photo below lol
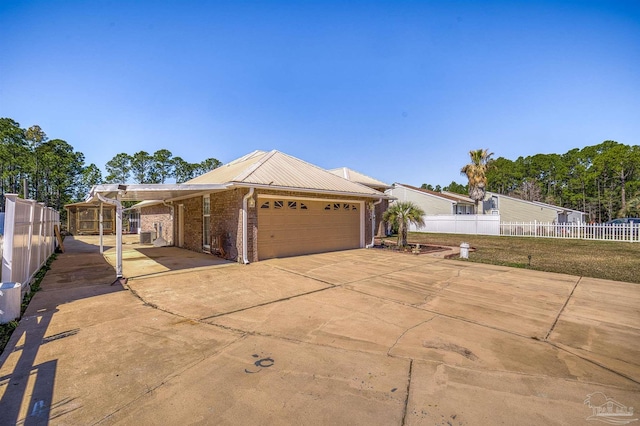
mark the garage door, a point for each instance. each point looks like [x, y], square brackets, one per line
[292, 227]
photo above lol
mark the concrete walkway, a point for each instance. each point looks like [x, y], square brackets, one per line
[354, 337]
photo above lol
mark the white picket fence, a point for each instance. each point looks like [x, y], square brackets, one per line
[491, 225]
[584, 231]
[28, 239]
[460, 224]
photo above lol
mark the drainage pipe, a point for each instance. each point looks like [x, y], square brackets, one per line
[373, 223]
[245, 239]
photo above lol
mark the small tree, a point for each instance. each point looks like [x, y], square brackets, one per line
[476, 173]
[403, 213]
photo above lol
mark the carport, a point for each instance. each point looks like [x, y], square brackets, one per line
[115, 194]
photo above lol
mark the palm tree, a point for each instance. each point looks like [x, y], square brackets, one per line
[476, 173]
[403, 213]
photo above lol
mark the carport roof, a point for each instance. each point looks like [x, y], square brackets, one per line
[141, 192]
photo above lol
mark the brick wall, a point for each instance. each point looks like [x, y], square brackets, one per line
[226, 221]
[192, 223]
[149, 216]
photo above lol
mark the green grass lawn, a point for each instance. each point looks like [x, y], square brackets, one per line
[598, 259]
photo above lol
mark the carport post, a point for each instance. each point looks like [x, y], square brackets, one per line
[119, 278]
[101, 231]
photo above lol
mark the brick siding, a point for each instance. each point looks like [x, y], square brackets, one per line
[226, 220]
[158, 214]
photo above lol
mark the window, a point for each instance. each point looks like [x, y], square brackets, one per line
[327, 207]
[292, 205]
[303, 206]
[278, 204]
[353, 207]
[346, 206]
[206, 222]
[265, 205]
[336, 206]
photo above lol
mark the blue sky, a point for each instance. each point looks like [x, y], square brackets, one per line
[399, 90]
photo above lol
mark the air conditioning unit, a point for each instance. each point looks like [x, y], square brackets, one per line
[145, 237]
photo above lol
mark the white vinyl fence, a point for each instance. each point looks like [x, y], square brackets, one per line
[28, 241]
[585, 231]
[460, 224]
[491, 225]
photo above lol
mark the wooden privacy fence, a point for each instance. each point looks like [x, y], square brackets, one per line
[29, 239]
[585, 231]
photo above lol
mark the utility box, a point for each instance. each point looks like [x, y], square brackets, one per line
[464, 251]
[145, 237]
[10, 301]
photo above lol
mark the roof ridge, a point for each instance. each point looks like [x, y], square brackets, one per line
[255, 166]
[346, 173]
[325, 171]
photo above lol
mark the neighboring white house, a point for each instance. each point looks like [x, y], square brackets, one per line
[513, 209]
[433, 203]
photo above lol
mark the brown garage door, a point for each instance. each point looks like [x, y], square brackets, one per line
[294, 227]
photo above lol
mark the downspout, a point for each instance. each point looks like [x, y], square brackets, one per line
[119, 277]
[373, 223]
[245, 239]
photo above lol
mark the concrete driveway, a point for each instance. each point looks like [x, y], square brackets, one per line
[354, 337]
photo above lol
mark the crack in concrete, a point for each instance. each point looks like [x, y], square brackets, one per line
[406, 331]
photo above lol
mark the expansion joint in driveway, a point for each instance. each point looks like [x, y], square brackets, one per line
[303, 275]
[266, 303]
[553, 326]
[406, 400]
[594, 362]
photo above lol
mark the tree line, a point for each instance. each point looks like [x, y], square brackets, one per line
[56, 174]
[601, 180]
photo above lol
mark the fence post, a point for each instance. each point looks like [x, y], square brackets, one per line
[10, 224]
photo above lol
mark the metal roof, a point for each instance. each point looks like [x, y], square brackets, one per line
[140, 192]
[280, 171]
[259, 169]
[537, 203]
[358, 177]
[454, 198]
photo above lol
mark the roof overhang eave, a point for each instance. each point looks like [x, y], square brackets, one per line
[143, 192]
[377, 196]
